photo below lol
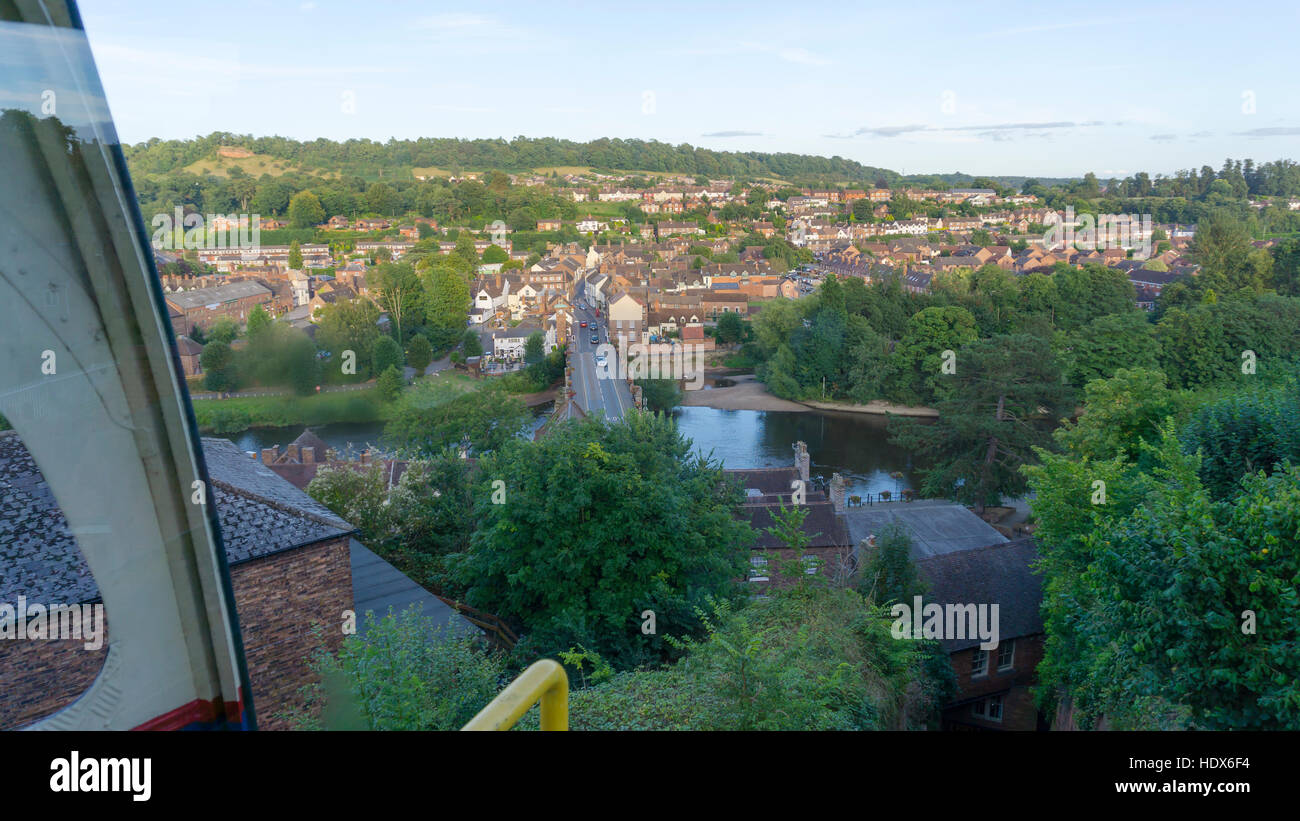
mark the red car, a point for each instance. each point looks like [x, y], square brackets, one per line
[582, 325]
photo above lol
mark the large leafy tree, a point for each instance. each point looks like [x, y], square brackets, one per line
[419, 354]
[1106, 344]
[1180, 611]
[916, 375]
[600, 523]
[400, 294]
[349, 325]
[1243, 434]
[488, 418]
[305, 210]
[218, 363]
[447, 302]
[1005, 393]
[385, 354]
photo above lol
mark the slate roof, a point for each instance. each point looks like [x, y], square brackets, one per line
[768, 480]
[821, 523]
[998, 574]
[200, 297]
[260, 514]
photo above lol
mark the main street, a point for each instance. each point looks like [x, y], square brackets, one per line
[595, 395]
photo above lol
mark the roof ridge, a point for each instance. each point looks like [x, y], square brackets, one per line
[283, 507]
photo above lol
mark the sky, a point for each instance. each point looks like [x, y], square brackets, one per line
[1034, 89]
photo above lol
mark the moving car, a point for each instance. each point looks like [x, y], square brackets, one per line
[594, 339]
[582, 324]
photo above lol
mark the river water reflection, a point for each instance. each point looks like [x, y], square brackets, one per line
[853, 444]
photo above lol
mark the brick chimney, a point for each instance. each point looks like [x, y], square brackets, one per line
[308, 455]
[365, 456]
[269, 454]
[837, 492]
[291, 453]
[801, 460]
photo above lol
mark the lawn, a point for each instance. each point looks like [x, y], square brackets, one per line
[234, 415]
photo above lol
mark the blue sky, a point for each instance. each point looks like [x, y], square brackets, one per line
[1007, 88]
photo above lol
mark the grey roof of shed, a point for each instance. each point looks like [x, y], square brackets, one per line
[217, 293]
[260, 514]
[936, 527]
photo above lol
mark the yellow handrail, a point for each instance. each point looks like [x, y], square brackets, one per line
[543, 681]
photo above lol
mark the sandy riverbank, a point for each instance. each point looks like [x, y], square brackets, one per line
[749, 394]
[746, 394]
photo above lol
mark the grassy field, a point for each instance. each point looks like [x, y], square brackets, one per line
[254, 166]
[234, 415]
[430, 171]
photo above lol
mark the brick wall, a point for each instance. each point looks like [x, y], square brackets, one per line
[38, 677]
[1018, 710]
[278, 597]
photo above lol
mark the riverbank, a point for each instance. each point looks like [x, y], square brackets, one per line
[747, 393]
[240, 413]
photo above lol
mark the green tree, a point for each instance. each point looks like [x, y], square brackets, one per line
[403, 672]
[644, 524]
[1158, 634]
[349, 325]
[223, 330]
[258, 321]
[400, 294]
[488, 418]
[888, 574]
[218, 367]
[1106, 344]
[381, 199]
[660, 395]
[419, 354]
[295, 256]
[917, 375]
[470, 343]
[534, 348]
[730, 328]
[389, 383]
[305, 210]
[447, 302]
[385, 354]
[1005, 389]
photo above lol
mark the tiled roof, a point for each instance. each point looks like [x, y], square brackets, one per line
[824, 528]
[259, 512]
[999, 574]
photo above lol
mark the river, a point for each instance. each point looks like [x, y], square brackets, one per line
[853, 444]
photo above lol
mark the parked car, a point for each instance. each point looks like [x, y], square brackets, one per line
[582, 324]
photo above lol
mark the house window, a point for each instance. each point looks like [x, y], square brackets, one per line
[989, 708]
[757, 569]
[979, 663]
[1006, 656]
[811, 564]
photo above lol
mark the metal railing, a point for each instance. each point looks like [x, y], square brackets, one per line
[544, 682]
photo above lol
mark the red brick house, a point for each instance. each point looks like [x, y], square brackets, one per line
[993, 685]
[290, 569]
